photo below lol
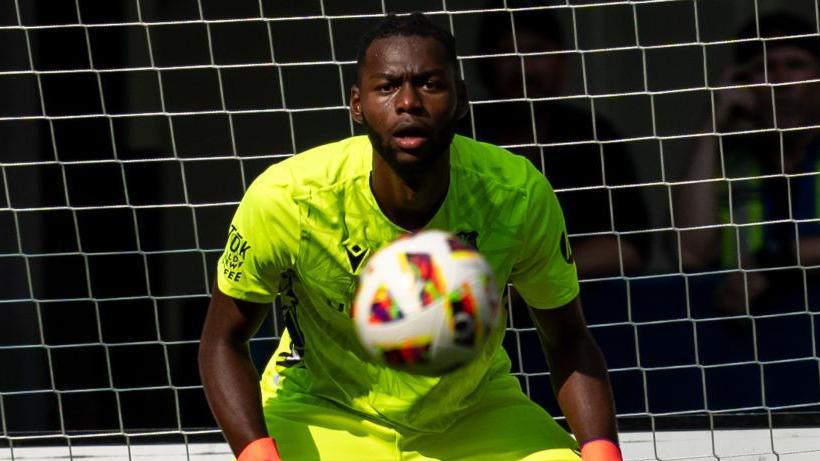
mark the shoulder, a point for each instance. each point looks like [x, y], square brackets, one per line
[494, 165]
[319, 167]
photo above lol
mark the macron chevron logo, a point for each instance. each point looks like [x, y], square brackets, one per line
[355, 254]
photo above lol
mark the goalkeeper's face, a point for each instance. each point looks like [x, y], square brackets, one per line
[409, 99]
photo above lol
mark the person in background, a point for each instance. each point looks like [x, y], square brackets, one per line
[770, 156]
[554, 121]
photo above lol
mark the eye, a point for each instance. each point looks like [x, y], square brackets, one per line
[432, 85]
[385, 88]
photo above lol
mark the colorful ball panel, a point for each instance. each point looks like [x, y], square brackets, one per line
[426, 304]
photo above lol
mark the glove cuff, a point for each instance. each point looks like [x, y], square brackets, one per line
[262, 449]
[600, 450]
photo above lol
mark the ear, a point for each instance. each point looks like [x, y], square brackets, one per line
[355, 104]
[462, 101]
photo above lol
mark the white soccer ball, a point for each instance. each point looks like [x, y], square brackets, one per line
[426, 304]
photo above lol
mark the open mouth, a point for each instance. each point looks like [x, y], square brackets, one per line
[410, 138]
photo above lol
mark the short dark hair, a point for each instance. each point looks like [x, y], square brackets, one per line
[414, 25]
[777, 24]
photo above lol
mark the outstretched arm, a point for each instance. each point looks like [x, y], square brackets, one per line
[228, 376]
[578, 372]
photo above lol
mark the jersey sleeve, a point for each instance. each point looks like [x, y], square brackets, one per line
[544, 273]
[262, 240]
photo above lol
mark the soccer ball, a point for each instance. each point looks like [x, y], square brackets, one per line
[426, 304]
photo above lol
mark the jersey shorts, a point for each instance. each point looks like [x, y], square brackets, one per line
[504, 425]
[304, 230]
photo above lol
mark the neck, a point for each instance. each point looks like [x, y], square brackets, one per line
[410, 200]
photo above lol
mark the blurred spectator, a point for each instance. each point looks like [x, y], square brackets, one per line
[784, 97]
[576, 162]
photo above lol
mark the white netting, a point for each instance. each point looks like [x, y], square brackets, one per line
[129, 130]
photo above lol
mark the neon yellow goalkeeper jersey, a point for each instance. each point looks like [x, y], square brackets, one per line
[307, 225]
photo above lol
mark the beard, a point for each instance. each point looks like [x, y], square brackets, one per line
[414, 163]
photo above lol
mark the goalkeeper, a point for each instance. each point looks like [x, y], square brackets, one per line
[302, 233]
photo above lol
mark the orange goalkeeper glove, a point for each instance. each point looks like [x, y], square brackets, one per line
[600, 450]
[263, 449]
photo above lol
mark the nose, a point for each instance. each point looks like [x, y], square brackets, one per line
[408, 99]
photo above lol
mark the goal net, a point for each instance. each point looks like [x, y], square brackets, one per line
[682, 138]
